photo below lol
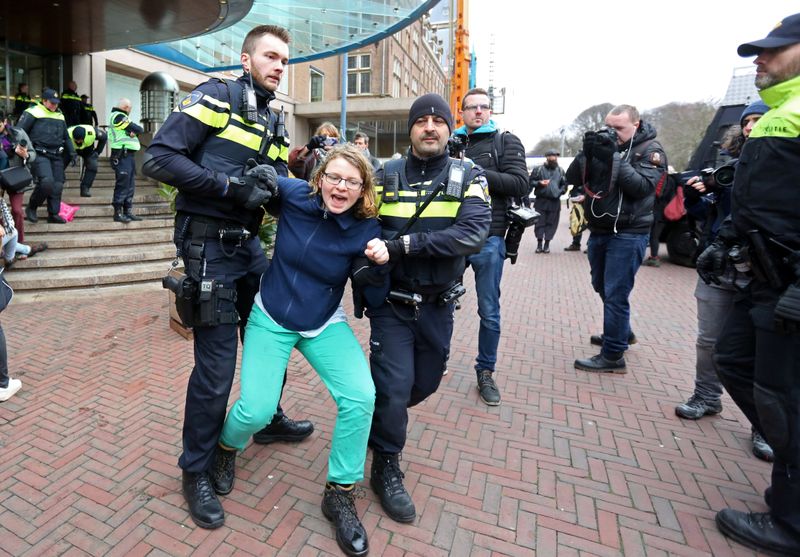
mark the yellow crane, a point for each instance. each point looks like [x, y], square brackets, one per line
[459, 83]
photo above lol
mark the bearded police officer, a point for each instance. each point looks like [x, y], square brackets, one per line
[46, 127]
[411, 330]
[89, 142]
[207, 149]
[757, 351]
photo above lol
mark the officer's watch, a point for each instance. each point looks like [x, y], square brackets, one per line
[406, 244]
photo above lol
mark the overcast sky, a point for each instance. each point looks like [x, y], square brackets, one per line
[557, 58]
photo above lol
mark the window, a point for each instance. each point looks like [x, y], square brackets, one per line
[317, 80]
[359, 74]
[414, 87]
[397, 71]
[415, 46]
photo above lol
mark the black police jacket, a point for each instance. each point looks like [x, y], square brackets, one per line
[205, 141]
[47, 130]
[620, 198]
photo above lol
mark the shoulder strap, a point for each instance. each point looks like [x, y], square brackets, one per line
[499, 146]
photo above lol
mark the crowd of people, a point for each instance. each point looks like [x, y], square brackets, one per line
[404, 233]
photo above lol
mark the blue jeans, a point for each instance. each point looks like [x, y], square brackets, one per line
[488, 266]
[614, 260]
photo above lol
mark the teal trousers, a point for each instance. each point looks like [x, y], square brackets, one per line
[337, 357]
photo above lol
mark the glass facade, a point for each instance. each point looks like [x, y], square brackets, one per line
[38, 72]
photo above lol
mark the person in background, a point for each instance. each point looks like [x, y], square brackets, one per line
[548, 183]
[71, 104]
[22, 101]
[361, 140]
[88, 114]
[89, 142]
[304, 159]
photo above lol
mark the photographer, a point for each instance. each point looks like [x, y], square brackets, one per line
[204, 150]
[715, 300]
[411, 331]
[304, 159]
[502, 157]
[617, 171]
[756, 354]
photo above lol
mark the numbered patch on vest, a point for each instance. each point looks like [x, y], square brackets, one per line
[190, 100]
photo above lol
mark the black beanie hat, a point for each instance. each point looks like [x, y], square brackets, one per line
[430, 104]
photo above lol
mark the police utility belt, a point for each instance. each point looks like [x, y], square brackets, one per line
[767, 260]
[50, 152]
[197, 299]
[121, 153]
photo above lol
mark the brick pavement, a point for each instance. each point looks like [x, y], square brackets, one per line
[570, 463]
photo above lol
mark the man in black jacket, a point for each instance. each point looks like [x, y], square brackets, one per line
[617, 170]
[507, 177]
[548, 183]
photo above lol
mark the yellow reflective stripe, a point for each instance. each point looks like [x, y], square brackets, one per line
[207, 116]
[437, 208]
[256, 125]
[240, 136]
[39, 111]
[278, 153]
[475, 189]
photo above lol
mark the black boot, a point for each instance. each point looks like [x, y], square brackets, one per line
[539, 246]
[546, 248]
[284, 429]
[30, 214]
[85, 192]
[339, 506]
[224, 470]
[758, 531]
[612, 364]
[119, 216]
[387, 483]
[129, 213]
[204, 507]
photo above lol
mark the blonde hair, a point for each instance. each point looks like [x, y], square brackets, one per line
[328, 129]
[366, 206]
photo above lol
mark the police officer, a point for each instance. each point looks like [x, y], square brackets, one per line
[410, 340]
[757, 350]
[203, 150]
[71, 104]
[124, 143]
[89, 142]
[46, 127]
[88, 114]
[22, 101]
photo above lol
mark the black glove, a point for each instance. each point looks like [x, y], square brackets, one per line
[589, 140]
[787, 311]
[265, 174]
[395, 248]
[247, 191]
[74, 160]
[711, 263]
[316, 142]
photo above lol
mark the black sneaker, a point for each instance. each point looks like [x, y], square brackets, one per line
[339, 506]
[387, 483]
[696, 407]
[573, 247]
[204, 507]
[131, 216]
[761, 448]
[487, 388]
[284, 429]
[224, 470]
[597, 340]
[758, 531]
[30, 215]
[600, 363]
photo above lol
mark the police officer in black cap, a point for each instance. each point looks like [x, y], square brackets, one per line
[223, 149]
[411, 330]
[46, 127]
[758, 351]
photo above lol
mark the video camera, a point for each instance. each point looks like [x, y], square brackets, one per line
[521, 218]
[456, 145]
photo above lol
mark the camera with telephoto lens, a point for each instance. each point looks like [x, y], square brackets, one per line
[606, 136]
[521, 218]
[720, 177]
[456, 145]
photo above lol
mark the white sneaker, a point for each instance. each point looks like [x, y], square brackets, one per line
[13, 386]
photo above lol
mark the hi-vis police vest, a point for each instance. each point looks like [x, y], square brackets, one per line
[118, 137]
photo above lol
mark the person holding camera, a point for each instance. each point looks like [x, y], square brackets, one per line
[617, 172]
[324, 226]
[434, 212]
[756, 354]
[502, 157]
[46, 127]
[548, 183]
[714, 301]
[214, 149]
[304, 159]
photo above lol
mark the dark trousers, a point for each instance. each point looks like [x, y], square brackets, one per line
[89, 171]
[4, 378]
[125, 171]
[49, 173]
[215, 351]
[760, 369]
[550, 211]
[655, 232]
[407, 359]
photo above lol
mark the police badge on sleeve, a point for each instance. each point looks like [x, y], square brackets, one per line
[190, 100]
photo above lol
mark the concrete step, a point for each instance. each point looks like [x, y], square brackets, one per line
[106, 210]
[57, 279]
[83, 292]
[106, 195]
[94, 256]
[94, 224]
[106, 238]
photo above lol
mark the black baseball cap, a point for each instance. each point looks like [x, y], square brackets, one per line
[50, 95]
[786, 32]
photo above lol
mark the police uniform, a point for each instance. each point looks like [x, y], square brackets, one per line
[71, 107]
[206, 140]
[94, 141]
[22, 101]
[48, 133]
[123, 152]
[88, 114]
